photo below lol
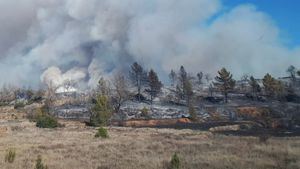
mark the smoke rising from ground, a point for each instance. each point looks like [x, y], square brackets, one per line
[42, 40]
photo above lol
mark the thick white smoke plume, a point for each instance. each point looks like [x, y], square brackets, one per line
[54, 76]
[83, 39]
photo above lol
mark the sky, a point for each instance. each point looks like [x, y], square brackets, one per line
[285, 13]
[53, 41]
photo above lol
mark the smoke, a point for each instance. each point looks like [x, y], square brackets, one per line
[54, 77]
[81, 40]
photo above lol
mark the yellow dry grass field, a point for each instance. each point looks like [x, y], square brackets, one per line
[75, 147]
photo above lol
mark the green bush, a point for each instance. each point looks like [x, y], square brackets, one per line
[4, 104]
[102, 132]
[145, 113]
[19, 105]
[44, 120]
[39, 164]
[175, 162]
[193, 114]
[10, 155]
[101, 112]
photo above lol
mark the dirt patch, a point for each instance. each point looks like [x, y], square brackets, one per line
[225, 128]
[9, 113]
[3, 130]
[152, 123]
[251, 112]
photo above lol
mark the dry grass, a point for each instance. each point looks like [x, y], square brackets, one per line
[75, 147]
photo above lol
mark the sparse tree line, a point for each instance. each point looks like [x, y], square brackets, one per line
[185, 84]
[120, 87]
[112, 94]
[141, 85]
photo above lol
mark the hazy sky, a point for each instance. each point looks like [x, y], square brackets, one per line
[285, 14]
[81, 40]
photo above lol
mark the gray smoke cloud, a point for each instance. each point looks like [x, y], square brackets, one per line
[82, 40]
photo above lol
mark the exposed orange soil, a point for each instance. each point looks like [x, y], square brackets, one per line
[152, 123]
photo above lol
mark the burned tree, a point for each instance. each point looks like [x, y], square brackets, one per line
[7, 94]
[68, 85]
[188, 91]
[292, 72]
[184, 88]
[199, 78]
[182, 79]
[138, 77]
[154, 85]
[173, 77]
[224, 82]
[255, 88]
[269, 85]
[211, 90]
[244, 81]
[121, 92]
[273, 87]
[207, 77]
[50, 93]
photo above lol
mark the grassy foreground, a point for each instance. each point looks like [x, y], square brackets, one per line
[75, 147]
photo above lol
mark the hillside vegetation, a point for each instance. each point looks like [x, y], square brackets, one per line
[75, 146]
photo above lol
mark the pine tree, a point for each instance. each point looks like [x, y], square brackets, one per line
[199, 78]
[184, 88]
[172, 77]
[101, 111]
[154, 84]
[292, 71]
[224, 82]
[254, 86]
[182, 76]
[269, 85]
[188, 91]
[103, 88]
[138, 77]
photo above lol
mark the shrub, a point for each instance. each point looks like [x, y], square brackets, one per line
[37, 96]
[3, 103]
[192, 112]
[101, 111]
[10, 155]
[19, 105]
[44, 120]
[263, 138]
[39, 164]
[145, 112]
[175, 162]
[102, 132]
